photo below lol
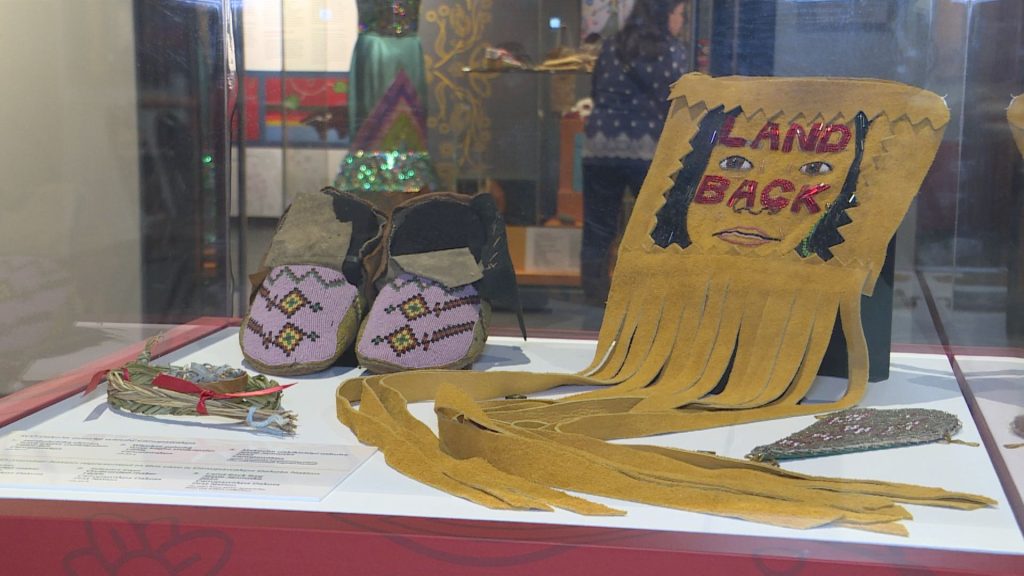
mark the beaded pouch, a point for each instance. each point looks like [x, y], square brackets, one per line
[765, 215]
[859, 430]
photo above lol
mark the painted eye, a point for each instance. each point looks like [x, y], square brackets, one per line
[735, 163]
[816, 168]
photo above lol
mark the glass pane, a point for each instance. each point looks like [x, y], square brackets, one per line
[513, 135]
[115, 185]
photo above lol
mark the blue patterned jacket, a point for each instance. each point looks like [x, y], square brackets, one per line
[630, 104]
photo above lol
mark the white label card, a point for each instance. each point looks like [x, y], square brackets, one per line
[176, 466]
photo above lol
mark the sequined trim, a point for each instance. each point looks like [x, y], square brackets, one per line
[389, 17]
[386, 172]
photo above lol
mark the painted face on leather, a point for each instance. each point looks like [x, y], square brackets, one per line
[768, 184]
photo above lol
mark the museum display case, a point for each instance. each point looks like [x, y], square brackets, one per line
[212, 364]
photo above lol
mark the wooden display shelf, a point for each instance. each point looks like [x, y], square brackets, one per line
[543, 278]
[471, 70]
[556, 246]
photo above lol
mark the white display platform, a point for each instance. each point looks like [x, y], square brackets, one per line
[998, 387]
[917, 380]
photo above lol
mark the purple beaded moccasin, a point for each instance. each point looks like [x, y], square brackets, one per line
[309, 295]
[447, 263]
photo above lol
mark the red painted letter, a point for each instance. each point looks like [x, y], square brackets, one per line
[807, 143]
[806, 198]
[716, 185]
[770, 132]
[844, 138]
[724, 135]
[748, 189]
[776, 203]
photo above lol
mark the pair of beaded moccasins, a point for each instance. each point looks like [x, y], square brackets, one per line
[431, 271]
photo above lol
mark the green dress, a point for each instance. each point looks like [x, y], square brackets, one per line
[387, 103]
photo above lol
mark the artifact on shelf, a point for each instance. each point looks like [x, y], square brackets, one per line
[765, 215]
[143, 388]
[327, 119]
[583, 107]
[496, 58]
[860, 430]
[569, 61]
[1017, 427]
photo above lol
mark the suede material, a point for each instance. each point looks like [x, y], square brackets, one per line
[367, 232]
[436, 222]
[410, 447]
[498, 285]
[1015, 116]
[359, 262]
[720, 311]
[453, 268]
[311, 234]
[471, 221]
[468, 425]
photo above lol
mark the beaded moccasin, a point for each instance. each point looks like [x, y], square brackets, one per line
[310, 295]
[447, 263]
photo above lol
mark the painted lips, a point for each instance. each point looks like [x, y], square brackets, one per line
[745, 236]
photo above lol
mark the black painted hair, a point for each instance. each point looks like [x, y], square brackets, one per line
[671, 218]
[645, 34]
[671, 226]
[826, 231]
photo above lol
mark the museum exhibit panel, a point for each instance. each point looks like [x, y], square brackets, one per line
[512, 287]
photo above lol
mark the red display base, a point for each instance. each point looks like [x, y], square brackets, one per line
[92, 538]
[82, 538]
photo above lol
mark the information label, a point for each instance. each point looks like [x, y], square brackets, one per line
[185, 466]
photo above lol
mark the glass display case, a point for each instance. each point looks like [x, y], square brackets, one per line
[175, 173]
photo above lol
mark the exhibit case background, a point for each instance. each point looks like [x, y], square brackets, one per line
[148, 147]
[497, 132]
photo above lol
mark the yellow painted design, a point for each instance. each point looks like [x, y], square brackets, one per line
[459, 125]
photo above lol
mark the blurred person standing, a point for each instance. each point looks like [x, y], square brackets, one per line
[630, 90]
